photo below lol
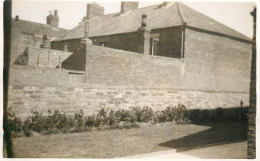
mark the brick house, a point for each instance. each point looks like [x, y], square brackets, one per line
[168, 25]
[26, 33]
[212, 55]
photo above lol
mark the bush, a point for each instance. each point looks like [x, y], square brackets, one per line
[219, 114]
[146, 114]
[126, 115]
[14, 123]
[58, 122]
[171, 114]
[27, 127]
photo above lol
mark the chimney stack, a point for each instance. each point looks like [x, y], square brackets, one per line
[45, 42]
[53, 20]
[144, 32]
[144, 20]
[165, 3]
[127, 6]
[55, 13]
[16, 18]
[94, 10]
[86, 28]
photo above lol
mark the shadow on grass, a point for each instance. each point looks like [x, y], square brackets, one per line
[218, 133]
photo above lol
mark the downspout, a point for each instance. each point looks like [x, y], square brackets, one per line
[86, 37]
[184, 24]
[183, 40]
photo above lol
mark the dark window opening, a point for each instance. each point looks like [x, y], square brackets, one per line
[154, 46]
[103, 44]
[66, 48]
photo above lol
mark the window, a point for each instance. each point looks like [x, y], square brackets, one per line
[66, 48]
[102, 44]
[154, 45]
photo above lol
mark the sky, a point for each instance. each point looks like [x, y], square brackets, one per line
[233, 14]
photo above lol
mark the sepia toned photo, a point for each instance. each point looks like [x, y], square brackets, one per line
[129, 80]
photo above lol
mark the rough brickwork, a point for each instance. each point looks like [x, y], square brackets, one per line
[21, 75]
[127, 41]
[170, 41]
[92, 98]
[42, 57]
[119, 68]
[215, 62]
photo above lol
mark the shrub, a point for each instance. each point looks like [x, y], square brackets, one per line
[14, 123]
[78, 119]
[27, 127]
[172, 114]
[90, 121]
[126, 115]
[58, 122]
[220, 112]
[145, 114]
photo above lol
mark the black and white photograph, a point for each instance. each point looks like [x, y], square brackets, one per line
[129, 79]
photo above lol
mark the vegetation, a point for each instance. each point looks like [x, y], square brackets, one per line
[60, 122]
[126, 142]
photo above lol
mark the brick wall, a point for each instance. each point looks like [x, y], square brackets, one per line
[212, 66]
[46, 57]
[21, 75]
[170, 42]
[109, 66]
[113, 67]
[127, 41]
[92, 98]
[214, 62]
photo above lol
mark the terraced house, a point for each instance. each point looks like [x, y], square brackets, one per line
[159, 55]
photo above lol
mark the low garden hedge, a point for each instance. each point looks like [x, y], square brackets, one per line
[60, 122]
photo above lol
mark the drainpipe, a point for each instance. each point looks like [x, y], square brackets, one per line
[183, 39]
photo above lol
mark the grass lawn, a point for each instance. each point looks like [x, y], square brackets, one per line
[118, 143]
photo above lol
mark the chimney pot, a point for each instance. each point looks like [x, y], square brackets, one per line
[94, 10]
[144, 20]
[127, 6]
[16, 18]
[86, 28]
[53, 20]
[55, 13]
[165, 3]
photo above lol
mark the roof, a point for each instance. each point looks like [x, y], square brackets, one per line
[35, 28]
[158, 16]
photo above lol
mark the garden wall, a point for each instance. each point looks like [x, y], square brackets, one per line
[120, 68]
[21, 75]
[92, 98]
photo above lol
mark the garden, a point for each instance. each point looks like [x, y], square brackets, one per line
[136, 130]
